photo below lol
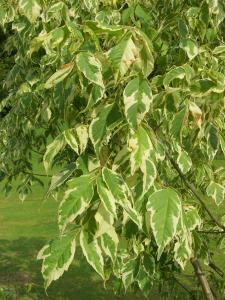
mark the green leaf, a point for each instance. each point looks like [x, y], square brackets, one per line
[97, 129]
[123, 55]
[222, 144]
[183, 29]
[137, 100]
[83, 136]
[202, 87]
[184, 161]
[145, 58]
[91, 67]
[71, 140]
[106, 197]
[52, 150]
[183, 251]
[31, 9]
[76, 200]
[140, 147]
[92, 252]
[97, 93]
[142, 14]
[109, 238]
[121, 158]
[57, 256]
[129, 269]
[219, 50]
[121, 193]
[77, 138]
[165, 208]
[216, 191]
[177, 72]
[190, 47]
[61, 177]
[177, 123]
[59, 76]
[149, 171]
[192, 218]
[145, 282]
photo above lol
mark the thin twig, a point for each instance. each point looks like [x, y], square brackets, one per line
[202, 279]
[36, 174]
[216, 269]
[211, 232]
[185, 288]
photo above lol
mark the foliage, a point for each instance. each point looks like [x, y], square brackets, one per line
[127, 98]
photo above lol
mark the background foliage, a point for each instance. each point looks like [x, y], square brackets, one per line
[127, 99]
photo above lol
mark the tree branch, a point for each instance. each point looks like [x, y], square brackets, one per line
[36, 174]
[202, 279]
[185, 288]
[211, 232]
[216, 269]
[194, 191]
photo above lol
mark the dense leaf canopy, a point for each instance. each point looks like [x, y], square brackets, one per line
[124, 103]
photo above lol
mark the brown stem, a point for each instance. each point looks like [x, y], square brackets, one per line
[202, 279]
[194, 191]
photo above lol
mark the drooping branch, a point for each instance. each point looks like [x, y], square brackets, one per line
[202, 279]
[185, 288]
[199, 196]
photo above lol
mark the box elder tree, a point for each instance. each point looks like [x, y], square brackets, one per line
[123, 101]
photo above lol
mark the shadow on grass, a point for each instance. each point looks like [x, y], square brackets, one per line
[20, 276]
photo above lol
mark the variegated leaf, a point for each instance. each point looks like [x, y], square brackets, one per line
[137, 100]
[149, 171]
[140, 146]
[31, 9]
[216, 191]
[106, 231]
[178, 123]
[92, 252]
[59, 75]
[183, 251]
[121, 193]
[57, 256]
[83, 136]
[61, 177]
[140, 157]
[184, 161]
[177, 72]
[106, 197]
[76, 200]
[123, 55]
[190, 47]
[97, 129]
[52, 150]
[91, 67]
[192, 218]
[71, 140]
[165, 208]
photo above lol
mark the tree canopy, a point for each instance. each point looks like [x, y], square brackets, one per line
[123, 101]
